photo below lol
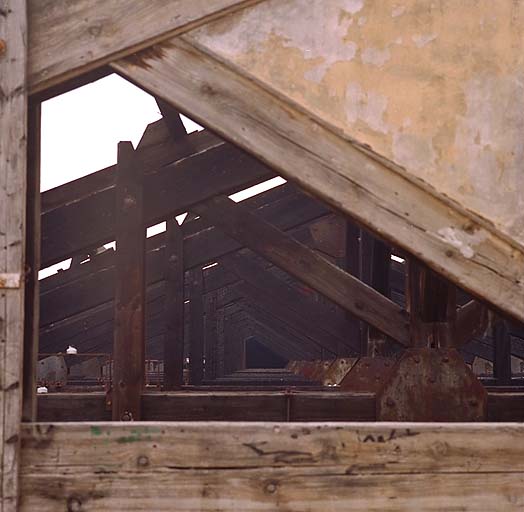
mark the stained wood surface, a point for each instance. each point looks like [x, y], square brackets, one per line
[196, 329]
[129, 327]
[349, 177]
[67, 39]
[214, 167]
[264, 466]
[310, 268]
[13, 170]
[174, 307]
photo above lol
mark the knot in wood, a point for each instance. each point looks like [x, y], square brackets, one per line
[129, 202]
[142, 461]
[74, 505]
[271, 487]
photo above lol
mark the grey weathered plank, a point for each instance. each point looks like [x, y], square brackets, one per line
[13, 170]
[269, 466]
[449, 238]
[67, 39]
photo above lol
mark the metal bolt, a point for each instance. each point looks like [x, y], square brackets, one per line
[127, 416]
[143, 461]
[3, 47]
[271, 488]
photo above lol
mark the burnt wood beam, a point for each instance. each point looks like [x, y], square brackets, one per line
[281, 297]
[472, 321]
[431, 301]
[196, 329]
[129, 328]
[296, 321]
[201, 245]
[285, 334]
[174, 308]
[215, 167]
[210, 335]
[353, 265]
[502, 353]
[307, 266]
[172, 120]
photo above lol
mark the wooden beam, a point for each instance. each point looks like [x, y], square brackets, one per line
[501, 353]
[32, 262]
[353, 265]
[307, 149]
[88, 223]
[319, 321]
[252, 467]
[174, 308]
[68, 293]
[129, 329]
[13, 174]
[307, 266]
[210, 335]
[172, 120]
[69, 39]
[196, 329]
[472, 321]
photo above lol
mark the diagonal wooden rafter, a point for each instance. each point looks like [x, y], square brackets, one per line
[451, 240]
[67, 39]
[303, 263]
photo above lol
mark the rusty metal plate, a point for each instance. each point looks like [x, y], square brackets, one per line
[431, 385]
[338, 370]
[51, 372]
[368, 374]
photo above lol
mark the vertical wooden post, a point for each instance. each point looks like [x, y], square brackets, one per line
[380, 269]
[196, 323]
[502, 353]
[210, 339]
[431, 301]
[129, 332]
[353, 265]
[174, 308]
[13, 169]
[32, 258]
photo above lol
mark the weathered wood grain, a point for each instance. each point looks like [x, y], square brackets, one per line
[13, 175]
[174, 307]
[307, 266]
[269, 466]
[305, 148]
[129, 306]
[67, 39]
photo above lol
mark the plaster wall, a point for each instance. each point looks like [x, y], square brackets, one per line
[435, 86]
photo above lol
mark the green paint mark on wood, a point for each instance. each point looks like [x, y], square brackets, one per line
[96, 431]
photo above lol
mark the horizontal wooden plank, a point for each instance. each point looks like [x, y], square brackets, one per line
[67, 39]
[249, 405]
[324, 467]
[452, 240]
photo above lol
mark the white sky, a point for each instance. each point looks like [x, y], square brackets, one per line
[81, 129]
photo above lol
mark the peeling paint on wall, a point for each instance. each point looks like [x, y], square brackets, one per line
[437, 87]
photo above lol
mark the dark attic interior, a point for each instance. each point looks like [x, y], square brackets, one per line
[273, 308]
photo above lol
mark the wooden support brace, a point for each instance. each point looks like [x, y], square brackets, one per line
[174, 308]
[307, 266]
[129, 329]
[196, 322]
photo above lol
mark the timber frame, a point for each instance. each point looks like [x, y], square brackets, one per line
[47, 48]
